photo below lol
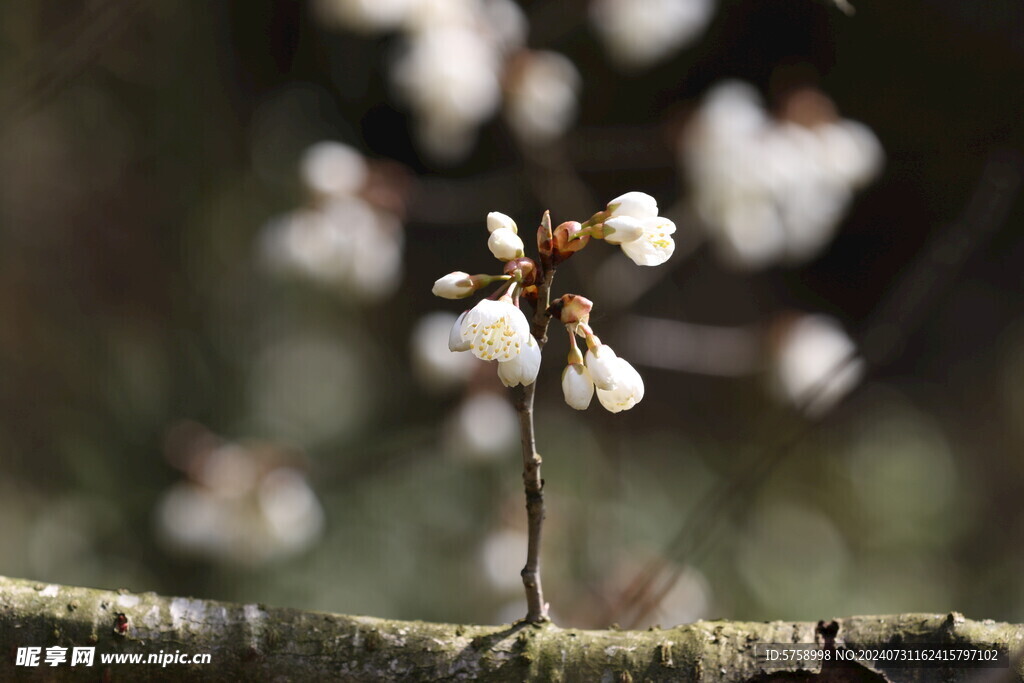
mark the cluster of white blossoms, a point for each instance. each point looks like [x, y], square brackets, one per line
[458, 61]
[640, 33]
[773, 190]
[496, 329]
[339, 239]
[617, 383]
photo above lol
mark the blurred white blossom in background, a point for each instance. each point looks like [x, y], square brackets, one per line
[436, 367]
[542, 95]
[454, 61]
[484, 426]
[367, 16]
[332, 169]
[640, 33]
[340, 240]
[241, 505]
[689, 600]
[814, 363]
[449, 75]
[773, 190]
[501, 554]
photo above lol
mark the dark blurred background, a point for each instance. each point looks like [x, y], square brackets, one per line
[177, 415]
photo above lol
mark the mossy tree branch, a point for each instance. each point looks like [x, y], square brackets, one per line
[254, 642]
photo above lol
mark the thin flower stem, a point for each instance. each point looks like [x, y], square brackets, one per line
[537, 609]
[504, 290]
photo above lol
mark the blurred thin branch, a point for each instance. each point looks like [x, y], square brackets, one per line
[444, 202]
[556, 182]
[57, 63]
[686, 347]
[381, 452]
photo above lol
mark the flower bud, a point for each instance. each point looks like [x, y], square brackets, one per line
[627, 389]
[545, 239]
[457, 285]
[497, 220]
[505, 244]
[571, 309]
[577, 387]
[601, 364]
[526, 267]
[565, 246]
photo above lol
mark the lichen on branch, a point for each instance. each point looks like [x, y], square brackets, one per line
[255, 642]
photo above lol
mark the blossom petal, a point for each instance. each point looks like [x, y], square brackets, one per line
[457, 342]
[628, 389]
[522, 369]
[634, 204]
[655, 246]
[577, 386]
[600, 363]
[621, 229]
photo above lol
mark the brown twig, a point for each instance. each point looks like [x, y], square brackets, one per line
[537, 609]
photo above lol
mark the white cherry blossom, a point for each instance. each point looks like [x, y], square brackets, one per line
[655, 245]
[495, 330]
[645, 237]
